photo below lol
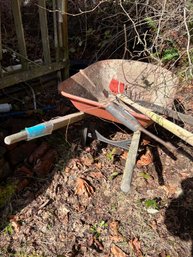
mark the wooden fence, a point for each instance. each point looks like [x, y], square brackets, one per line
[30, 69]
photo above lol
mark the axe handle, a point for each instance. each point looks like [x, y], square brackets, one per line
[170, 126]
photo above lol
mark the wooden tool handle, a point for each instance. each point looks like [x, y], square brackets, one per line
[170, 126]
[130, 162]
[57, 124]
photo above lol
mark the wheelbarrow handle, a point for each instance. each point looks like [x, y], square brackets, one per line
[130, 162]
[39, 130]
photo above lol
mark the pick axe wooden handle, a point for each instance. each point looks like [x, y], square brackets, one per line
[170, 126]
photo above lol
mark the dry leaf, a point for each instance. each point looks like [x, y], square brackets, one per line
[153, 225]
[117, 252]
[170, 189]
[40, 151]
[15, 224]
[94, 242]
[45, 164]
[145, 159]
[115, 235]
[67, 170]
[124, 155]
[87, 160]
[145, 142]
[184, 175]
[23, 171]
[114, 227]
[96, 174]
[98, 165]
[83, 187]
[117, 238]
[136, 247]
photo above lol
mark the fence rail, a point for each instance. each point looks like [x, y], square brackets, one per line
[28, 69]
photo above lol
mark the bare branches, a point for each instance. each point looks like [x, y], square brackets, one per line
[81, 12]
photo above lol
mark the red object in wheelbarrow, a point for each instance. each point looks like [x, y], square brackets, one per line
[140, 81]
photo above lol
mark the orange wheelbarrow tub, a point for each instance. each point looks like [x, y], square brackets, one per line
[142, 81]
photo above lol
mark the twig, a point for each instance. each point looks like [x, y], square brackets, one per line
[188, 44]
[159, 24]
[134, 25]
[125, 36]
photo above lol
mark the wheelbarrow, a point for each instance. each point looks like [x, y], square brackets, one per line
[105, 90]
[92, 89]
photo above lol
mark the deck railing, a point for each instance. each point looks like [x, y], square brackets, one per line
[28, 69]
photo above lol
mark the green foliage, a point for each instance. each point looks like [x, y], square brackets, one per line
[106, 37]
[97, 228]
[90, 32]
[151, 203]
[170, 54]
[145, 175]
[6, 192]
[114, 174]
[103, 224]
[110, 155]
[151, 23]
[8, 229]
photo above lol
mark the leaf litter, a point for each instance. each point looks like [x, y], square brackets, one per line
[73, 208]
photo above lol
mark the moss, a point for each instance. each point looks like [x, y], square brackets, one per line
[6, 192]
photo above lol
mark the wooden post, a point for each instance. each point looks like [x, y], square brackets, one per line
[56, 43]
[19, 31]
[65, 37]
[44, 30]
[60, 39]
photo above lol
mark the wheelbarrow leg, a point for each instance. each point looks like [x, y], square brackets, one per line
[130, 162]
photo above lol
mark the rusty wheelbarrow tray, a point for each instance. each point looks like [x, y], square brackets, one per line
[142, 81]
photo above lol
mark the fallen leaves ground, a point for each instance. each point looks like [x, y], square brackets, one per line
[77, 209]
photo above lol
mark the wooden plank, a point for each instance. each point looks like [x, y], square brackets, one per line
[44, 30]
[22, 76]
[19, 31]
[65, 37]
